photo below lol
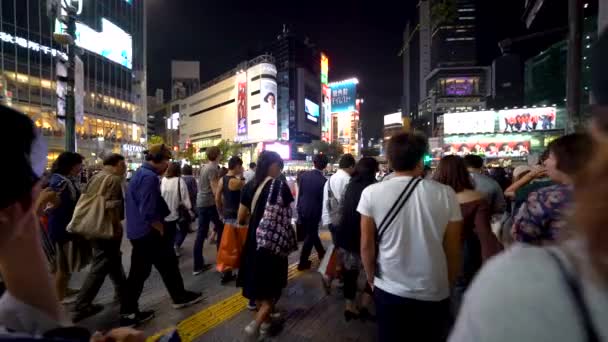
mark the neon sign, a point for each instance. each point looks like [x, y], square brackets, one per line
[324, 69]
[28, 44]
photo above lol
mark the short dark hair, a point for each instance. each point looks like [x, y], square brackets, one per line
[234, 162]
[187, 170]
[406, 150]
[320, 161]
[366, 168]
[453, 172]
[269, 95]
[473, 161]
[252, 165]
[213, 153]
[572, 152]
[347, 161]
[113, 159]
[174, 170]
[65, 162]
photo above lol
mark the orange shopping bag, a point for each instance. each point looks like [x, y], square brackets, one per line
[327, 268]
[231, 247]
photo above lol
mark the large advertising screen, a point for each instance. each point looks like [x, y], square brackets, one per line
[241, 104]
[393, 119]
[312, 111]
[343, 97]
[284, 150]
[112, 42]
[459, 86]
[490, 146]
[262, 116]
[527, 120]
[469, 122]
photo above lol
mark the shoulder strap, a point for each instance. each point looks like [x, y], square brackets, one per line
[102, 186]
[397, 206]
[574, 287]
[258, 192]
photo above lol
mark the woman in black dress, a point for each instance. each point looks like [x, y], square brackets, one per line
[262, 275]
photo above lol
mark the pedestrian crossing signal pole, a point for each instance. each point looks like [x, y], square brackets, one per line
[66, 13]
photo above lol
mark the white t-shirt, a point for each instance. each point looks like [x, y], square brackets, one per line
[168, 189]
[338, 183]
[249, 175]
[521, 296]
[411, 252]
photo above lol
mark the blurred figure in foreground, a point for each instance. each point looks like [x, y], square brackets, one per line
[559, 292]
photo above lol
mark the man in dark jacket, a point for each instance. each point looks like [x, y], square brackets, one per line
[146, 210]
[310, 207]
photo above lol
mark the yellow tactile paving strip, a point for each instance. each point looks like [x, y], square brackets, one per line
[201, 322]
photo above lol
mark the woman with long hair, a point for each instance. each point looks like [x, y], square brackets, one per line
[479, 242]
[557, 292]
[348, 237]
[263, 273]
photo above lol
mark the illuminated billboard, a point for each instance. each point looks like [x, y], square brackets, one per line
[112, 42]
[527, 120]
[344, 127]
[326, 111]
[469, 122]
[459, 86]
[490, 146]
[324, 69]
[262, 115]
[343, 96]
[393, 119]
[284, 150]
[312, 111]
[241, 104]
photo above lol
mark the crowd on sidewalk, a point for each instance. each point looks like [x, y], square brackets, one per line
[451, 254]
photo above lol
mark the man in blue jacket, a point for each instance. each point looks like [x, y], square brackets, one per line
[146, 210]
[310, 207]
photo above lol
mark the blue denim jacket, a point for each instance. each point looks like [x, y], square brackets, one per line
[144, 202]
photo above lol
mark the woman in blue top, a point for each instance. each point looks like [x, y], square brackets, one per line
[63, 181]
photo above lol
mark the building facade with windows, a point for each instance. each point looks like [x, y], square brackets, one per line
[239, 106]
[110, 34]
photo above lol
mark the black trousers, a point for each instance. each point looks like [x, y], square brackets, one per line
[312, 238]
[153, 250]
[400, 317]
[107, 261]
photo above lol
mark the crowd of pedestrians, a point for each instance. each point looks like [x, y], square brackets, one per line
[434, 264]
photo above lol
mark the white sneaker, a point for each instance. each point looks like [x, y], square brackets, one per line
[265, 329]
[252, 328]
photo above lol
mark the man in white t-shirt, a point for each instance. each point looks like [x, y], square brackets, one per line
[418, 250]
[337, 183]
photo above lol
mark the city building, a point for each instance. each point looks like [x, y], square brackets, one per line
[440, 63]
[345, 110]
[185, 79]
[299, 82]
[237, 106]
[111, 34]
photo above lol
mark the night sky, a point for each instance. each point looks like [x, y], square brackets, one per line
[361, 38]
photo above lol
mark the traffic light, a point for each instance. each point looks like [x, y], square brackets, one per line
[427, 159]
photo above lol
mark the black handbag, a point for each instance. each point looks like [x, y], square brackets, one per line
[183, 213]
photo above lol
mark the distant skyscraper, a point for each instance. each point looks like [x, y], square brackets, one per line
[185, 79]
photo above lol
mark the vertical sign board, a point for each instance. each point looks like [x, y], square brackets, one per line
[263, 106]
[326, 126]
[241, 104]
[79, 90]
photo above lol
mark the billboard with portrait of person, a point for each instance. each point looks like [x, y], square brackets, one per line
[241, 104]
[527, 119]
[263, 103]
[489, 146]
